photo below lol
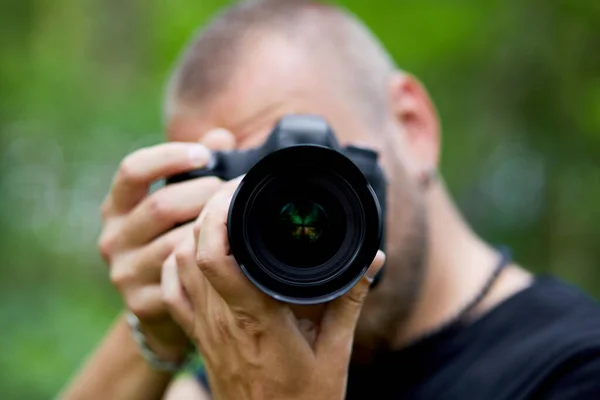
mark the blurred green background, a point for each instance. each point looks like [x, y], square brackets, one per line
[517, 84]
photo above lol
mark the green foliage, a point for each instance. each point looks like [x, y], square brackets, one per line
[517, 85]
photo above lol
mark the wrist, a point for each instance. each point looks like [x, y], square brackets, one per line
[165, 349]
[160, 354]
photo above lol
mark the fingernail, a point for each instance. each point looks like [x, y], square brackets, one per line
[371, 276]
[219, 139]
[199, 155]
[375, 266]
[217, 132]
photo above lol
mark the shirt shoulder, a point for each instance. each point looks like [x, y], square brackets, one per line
[556, 314]
[569, 343]
[542, 341]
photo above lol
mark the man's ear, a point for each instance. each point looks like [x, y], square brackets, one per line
[418, 118]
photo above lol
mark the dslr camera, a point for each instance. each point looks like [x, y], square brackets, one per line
[308, 217]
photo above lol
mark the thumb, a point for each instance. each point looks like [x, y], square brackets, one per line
[339, 321]
[219, 139]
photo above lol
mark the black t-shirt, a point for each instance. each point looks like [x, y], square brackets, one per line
[541, 343]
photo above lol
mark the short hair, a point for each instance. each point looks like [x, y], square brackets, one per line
[353, 53]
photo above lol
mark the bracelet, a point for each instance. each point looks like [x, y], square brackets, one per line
[150, 356]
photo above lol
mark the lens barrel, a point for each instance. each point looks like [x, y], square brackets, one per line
[304, 224]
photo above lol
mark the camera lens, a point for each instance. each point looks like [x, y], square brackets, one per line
[304, 224]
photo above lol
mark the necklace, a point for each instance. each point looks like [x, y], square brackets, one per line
[505, 260]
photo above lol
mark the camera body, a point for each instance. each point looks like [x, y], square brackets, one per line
[308, 217]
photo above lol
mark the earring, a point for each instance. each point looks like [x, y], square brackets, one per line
[427, 177]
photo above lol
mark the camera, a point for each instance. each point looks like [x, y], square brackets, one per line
[308, 217]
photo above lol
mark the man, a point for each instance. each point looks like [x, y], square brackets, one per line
[452, 318]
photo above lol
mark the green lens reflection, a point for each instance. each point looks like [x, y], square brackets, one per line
[304, 221]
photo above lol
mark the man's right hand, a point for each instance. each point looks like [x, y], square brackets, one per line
[139, 229]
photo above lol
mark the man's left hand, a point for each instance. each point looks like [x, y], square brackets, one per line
[252, 345]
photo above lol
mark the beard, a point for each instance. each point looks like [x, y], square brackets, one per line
[390, 304]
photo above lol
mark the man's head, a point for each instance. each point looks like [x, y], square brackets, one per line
[260, 60]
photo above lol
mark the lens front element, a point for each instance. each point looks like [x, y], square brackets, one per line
[300, 219]
[304, 224]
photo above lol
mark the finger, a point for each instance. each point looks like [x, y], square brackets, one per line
[175, 299]
[165, 208]
[213, 259]
[225, 192]
[142, 167]
[191, 277]
[148, 261]
[341, 315]
[219, 139]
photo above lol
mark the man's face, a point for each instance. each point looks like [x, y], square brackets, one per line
[275, 80]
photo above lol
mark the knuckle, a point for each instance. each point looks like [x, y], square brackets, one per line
[183, 257]
[221, 325]
[159, 208]
[205, 260]
[106, 246]
[121, 277]
[356, 297]
[127, 169]
[246, 321]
